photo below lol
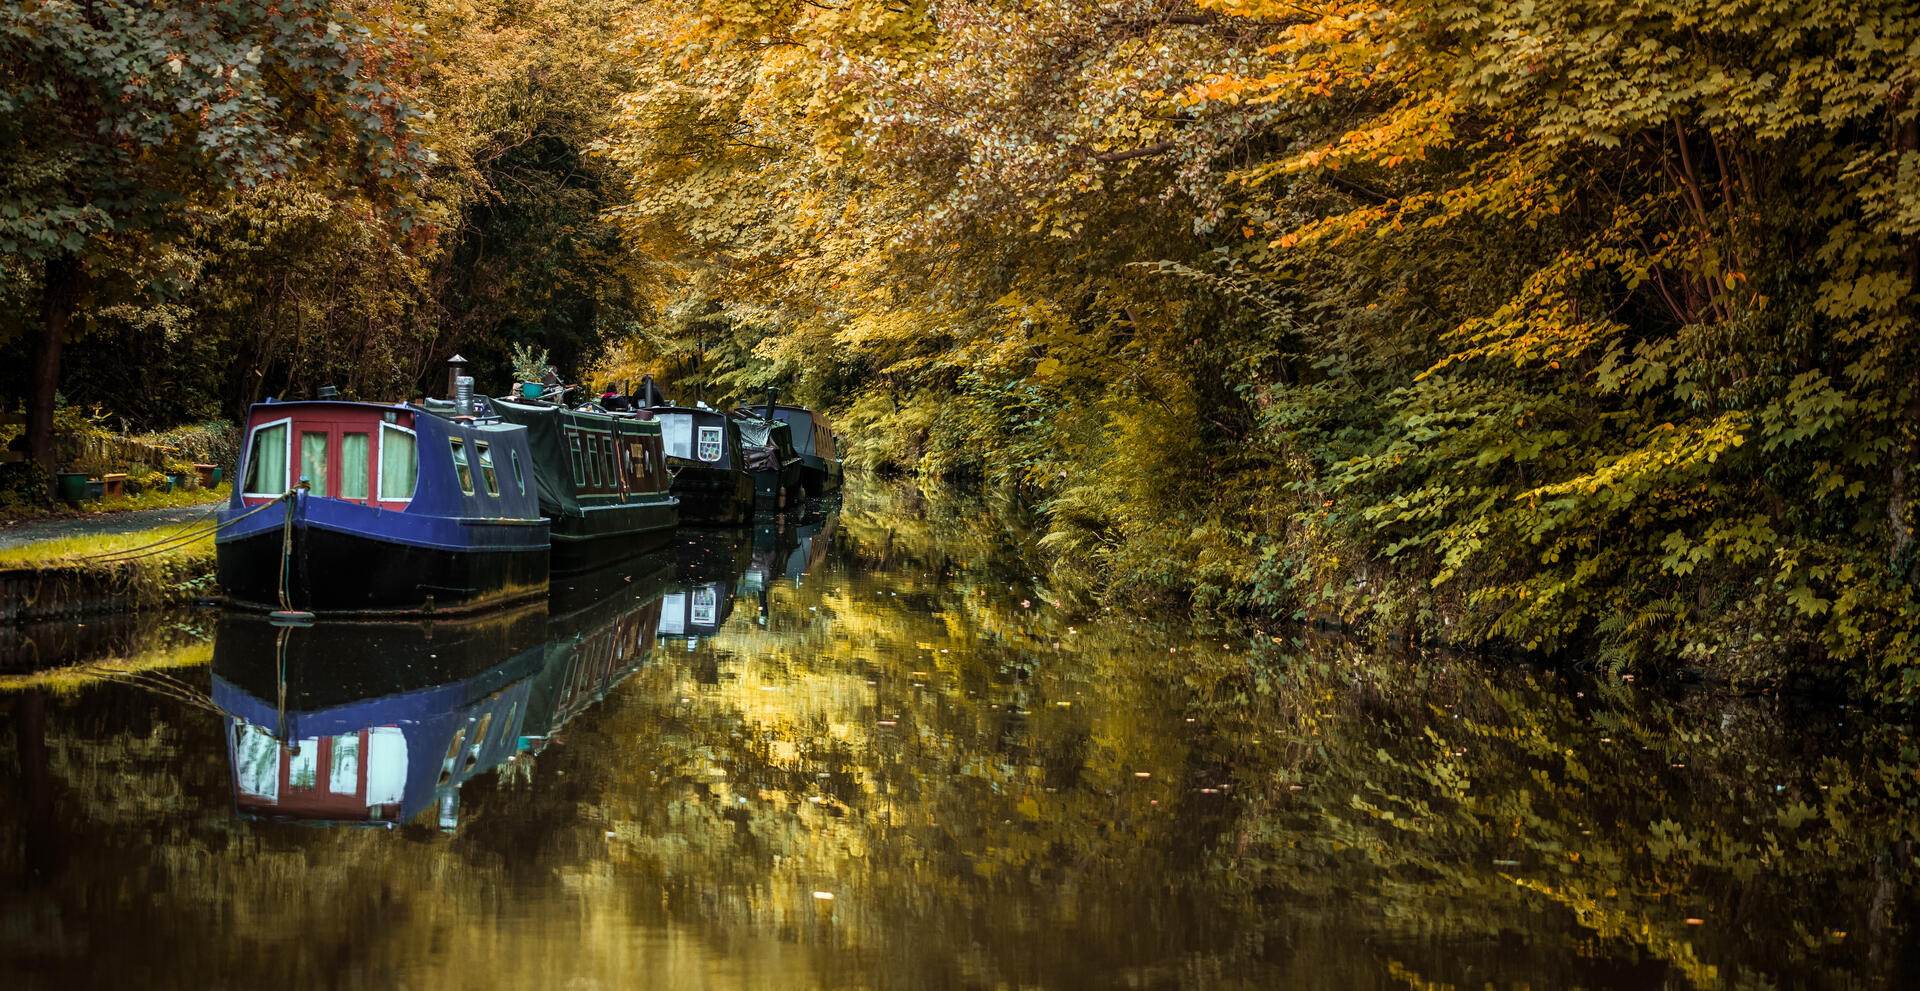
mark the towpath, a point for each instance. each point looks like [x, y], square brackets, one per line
[96, 524]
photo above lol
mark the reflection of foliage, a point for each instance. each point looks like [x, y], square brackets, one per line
[997, 792]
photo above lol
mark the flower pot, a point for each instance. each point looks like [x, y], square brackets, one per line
[217, 474]
[71, 485]
[532, 390]
[207, 474]
[176, 482]
[96, 490]
[114, 484]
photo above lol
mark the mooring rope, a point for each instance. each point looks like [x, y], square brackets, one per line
[162, 545]
[286, 555]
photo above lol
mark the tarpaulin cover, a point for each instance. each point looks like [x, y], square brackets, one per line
[768, 433]
[812, 434]
[552, 460]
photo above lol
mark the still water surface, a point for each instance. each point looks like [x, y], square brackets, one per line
[867, 750]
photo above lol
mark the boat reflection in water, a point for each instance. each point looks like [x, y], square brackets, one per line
[706, 564]
[375, 723]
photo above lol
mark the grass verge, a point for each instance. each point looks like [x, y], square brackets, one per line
[103, 550]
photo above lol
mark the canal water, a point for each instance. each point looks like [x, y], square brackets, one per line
[867, 748]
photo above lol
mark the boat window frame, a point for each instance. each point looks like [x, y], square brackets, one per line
[462, 468]
[483, 452]
[252, 444]
[380, 467]
[577, 449]
[519, 479]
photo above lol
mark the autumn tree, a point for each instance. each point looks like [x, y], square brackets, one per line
[121, 118]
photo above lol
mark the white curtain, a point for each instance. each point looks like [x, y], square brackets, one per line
[343, 771]
[313, 462]
[353, 466]
[267, 464]
[676, 429]
[399, 464]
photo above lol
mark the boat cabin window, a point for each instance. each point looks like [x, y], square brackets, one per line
[343, 777]
[519, 480]
[593, 461]
[313, 461]
[578, 459]
[460, 464]
[267, 460]
[712, 443]
[399, 463]
[484, 453]
[355, 466]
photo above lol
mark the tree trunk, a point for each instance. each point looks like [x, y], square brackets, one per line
[1901, 498]
[59, 296]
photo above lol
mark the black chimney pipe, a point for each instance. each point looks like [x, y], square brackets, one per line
[771, 392]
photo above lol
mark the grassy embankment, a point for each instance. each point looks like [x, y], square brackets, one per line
[105, 572]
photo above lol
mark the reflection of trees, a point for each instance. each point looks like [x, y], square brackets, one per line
[1422, 796]
[904, 735]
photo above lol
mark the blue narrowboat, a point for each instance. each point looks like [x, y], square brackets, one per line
[772, 461]
[364, 508]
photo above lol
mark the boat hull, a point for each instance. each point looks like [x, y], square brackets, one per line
[819, 475]
[714, 496]
[608, 536]
[337, 572]
[777, 490]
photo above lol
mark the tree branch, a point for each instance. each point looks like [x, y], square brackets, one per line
[1110, 157]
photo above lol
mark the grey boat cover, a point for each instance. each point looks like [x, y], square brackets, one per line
[773, 438]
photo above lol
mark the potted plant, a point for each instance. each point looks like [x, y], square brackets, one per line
[529, 371]
[71, 486]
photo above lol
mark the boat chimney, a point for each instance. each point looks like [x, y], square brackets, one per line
[646, 386]
[771, 392]
[463, 394]
[328, 392]
[456, 367]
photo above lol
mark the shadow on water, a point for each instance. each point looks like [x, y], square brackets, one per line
[862, 748]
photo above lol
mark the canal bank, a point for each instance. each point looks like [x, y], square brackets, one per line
[92, 574]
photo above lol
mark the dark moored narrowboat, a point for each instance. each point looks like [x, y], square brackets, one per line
[813, 441]
[774, 464]
[708, 463]
[362, 508]
[602, 481]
